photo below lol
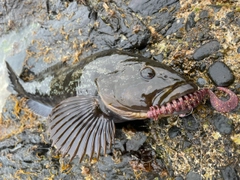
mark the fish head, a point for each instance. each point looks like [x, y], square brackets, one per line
[136, 84]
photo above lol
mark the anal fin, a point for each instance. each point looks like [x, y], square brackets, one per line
[77, 127]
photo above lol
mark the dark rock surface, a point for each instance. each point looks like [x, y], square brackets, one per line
[201, 82]
[16, 13]
[160, 57]
[146, 7]
[222, 124]
[203, 14]
[85, 34]
[190, 22]
[221, 74]
[201, 145]
[135, 142]
[190, 123]
[193, 176]
[174, 132]
[206, 50]
[229, 173]
[238, 50]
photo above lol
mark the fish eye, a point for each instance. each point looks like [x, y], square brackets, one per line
[147, 73]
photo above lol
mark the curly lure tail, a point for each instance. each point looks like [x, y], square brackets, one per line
[224, 106]
[190, 101]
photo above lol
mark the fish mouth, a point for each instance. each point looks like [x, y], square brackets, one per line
[181, 104]
[174, 92]
[176, 100]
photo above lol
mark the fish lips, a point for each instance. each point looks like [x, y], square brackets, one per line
[175, 92]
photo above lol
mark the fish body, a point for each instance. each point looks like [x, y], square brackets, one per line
[84, 101]
[121, 79]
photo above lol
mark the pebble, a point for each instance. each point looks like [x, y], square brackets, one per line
[238, 49]
[203, 14]
[186, 144]
[201, 82]
[146, 7]
[178, 178]
[217, 23]
[158, 57]
[230, 15]
[202, 67]
[136, 141]
[190, 123]
[222, 124]
[220, 74]
[190, 22]
[229, 173]
[193, 176]
[237, 22]
[206, 50]
[175, 26]
[174, 131]
[216, 8]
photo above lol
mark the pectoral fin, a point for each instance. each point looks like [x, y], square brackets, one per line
[78, 127]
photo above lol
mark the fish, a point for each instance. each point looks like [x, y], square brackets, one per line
[84, 101]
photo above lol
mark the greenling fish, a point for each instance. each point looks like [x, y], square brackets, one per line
[85, 100]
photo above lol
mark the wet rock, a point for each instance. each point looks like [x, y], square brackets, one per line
[22, 155]
[201, 82]
[179, 34]
[16, 13]
[238, 50]
[158, 12]
[81, 34]
[216, 8]
[174, 131]
[237, 88]
[175, 26]
[190, 123]
[203, 14]
[190, 22]
[220, 74]
[206, 50]
[230, 15]
[146, 7]
[186, 144]
[54, 7]
[202, 67]
[136, 142]
[189, 135]
[145, 160]
[147, 54]
[113, 28]
[237, 22]
[159, 57]
[222, 124]
[217, 23]
[193, 176]
[229, 173]
[178, 178]
[107, 168]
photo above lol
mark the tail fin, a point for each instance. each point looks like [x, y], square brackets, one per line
[33, 103]
[15, 81]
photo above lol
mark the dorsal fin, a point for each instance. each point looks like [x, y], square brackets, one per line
[27, 75]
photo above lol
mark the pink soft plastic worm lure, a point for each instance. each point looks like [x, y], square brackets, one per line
[188, 102]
